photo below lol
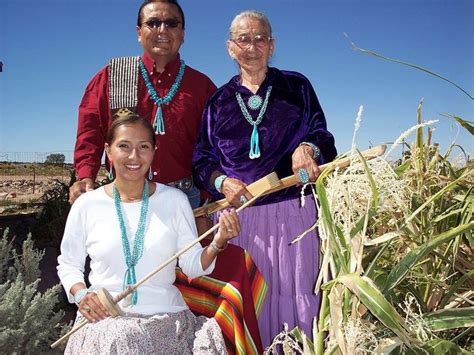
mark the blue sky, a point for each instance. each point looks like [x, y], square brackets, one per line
[52, 48]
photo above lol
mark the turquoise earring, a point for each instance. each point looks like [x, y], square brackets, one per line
[111, 173]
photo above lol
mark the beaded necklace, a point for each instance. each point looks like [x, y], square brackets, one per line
[254, 152]
[131, 260]
[159, 123]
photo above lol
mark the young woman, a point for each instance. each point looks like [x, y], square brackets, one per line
[128, 228]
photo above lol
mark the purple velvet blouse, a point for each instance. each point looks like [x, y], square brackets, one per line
[293, 116]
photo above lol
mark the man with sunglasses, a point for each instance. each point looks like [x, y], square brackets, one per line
[159, 86]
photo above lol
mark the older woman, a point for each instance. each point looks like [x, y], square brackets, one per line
[128, 228]
[265, 120]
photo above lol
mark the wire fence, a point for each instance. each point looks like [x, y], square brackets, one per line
[34, 157]
[25, 177]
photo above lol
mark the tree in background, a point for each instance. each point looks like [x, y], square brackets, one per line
[56, 159]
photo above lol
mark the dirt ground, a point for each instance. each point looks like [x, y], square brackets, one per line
[27, 182]
[24, 188]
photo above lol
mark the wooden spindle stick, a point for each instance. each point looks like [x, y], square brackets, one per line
[288, 181]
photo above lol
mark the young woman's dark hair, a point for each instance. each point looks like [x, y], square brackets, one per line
[129, 119]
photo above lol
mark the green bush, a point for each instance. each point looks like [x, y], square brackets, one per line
[29, 320]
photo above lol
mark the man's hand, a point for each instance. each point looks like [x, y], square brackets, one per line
[79, 187]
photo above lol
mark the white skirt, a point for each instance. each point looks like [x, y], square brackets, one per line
[173, 333]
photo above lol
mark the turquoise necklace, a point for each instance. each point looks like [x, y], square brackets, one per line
[254, 152]
[159, 123]
[131, 260]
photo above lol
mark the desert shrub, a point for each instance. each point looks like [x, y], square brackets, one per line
[29, 320]
[49, 229]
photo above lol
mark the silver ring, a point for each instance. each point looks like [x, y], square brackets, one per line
[303, 175]
[87, 309]
[243, 200]
[229, 230]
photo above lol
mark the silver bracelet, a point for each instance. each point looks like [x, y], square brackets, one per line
[316, 150]
[214, 246]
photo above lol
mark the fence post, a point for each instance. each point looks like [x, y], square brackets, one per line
[34, 179]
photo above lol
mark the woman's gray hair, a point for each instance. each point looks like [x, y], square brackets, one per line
[253, 15]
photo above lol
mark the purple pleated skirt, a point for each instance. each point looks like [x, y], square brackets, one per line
[289, 270]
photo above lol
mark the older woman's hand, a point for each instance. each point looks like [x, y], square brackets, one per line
[303, 159]
[91, 308]
[235, 192]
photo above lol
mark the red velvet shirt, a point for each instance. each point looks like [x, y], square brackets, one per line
[182, 119]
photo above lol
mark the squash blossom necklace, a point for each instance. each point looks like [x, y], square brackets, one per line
[131, 260]
[159, 123]
[255, 103]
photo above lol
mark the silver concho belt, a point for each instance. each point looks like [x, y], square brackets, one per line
[184, 184]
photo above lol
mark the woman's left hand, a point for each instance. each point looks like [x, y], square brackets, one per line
[229, 228]
[302, 158]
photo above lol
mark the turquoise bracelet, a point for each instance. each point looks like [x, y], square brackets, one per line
[218, 182]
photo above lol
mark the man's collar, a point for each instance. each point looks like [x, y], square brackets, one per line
[171, 67]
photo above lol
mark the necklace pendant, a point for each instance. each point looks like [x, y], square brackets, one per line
[254, 144]
[255, 102]
[159, 122]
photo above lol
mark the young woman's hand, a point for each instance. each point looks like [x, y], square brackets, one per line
[229, 228]
[91, 308]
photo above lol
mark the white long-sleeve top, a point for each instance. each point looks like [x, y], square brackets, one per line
[92, 229]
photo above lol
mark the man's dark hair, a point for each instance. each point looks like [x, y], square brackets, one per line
[146, 2]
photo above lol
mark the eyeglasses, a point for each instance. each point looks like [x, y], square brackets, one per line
[246, 41]
[155, 24]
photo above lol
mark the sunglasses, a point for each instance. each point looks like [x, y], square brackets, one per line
[155, 24]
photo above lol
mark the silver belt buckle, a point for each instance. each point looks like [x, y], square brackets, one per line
[185, 184]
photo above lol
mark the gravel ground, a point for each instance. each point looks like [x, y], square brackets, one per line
[16, 189]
